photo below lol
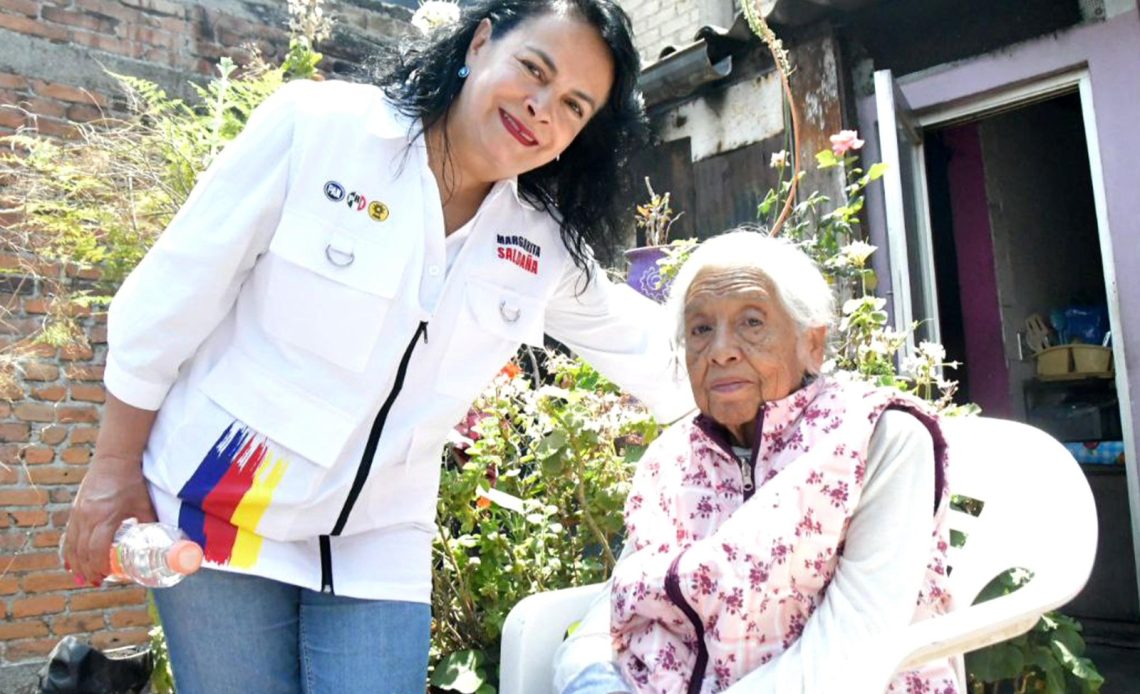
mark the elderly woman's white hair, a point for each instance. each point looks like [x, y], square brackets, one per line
[799, 285]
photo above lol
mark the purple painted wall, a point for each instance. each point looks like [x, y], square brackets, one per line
[981, 315]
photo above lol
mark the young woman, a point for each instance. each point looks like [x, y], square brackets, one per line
[285, 363]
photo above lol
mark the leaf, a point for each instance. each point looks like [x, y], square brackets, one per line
[877, 170]
[460, 671]
[826, 159]
[1001, 661]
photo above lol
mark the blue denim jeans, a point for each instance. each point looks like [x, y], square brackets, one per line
[233, 633]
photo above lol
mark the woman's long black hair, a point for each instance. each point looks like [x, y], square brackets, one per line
[585, 188]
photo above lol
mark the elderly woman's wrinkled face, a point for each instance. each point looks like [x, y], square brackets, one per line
[742, 346]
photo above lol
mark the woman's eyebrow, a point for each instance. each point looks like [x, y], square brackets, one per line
[553, 69]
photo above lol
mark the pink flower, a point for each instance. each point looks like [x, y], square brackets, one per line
[844, 141]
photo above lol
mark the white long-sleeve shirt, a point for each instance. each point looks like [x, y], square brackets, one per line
[879, 573]
[309, 338]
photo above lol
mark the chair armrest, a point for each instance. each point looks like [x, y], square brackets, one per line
[532, 633]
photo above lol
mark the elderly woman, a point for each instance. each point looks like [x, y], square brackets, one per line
[773, 536]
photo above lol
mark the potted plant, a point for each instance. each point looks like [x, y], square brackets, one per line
[655, 217]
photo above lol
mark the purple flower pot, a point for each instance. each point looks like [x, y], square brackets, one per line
[644, 273]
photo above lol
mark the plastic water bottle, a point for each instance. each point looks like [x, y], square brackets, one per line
[154, 555]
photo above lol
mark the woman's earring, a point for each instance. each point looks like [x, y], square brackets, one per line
[463, 72]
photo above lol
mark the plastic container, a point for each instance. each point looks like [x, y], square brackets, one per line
[1054, 362]
[1091, 359]
[154, 555]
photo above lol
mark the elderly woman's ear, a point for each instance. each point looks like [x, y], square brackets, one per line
[814, 348]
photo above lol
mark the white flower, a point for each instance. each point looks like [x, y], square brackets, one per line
[932, 351]
[434, 14]
[779, 159]
[857, 252]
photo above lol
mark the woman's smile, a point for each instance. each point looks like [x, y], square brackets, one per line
[517, 130]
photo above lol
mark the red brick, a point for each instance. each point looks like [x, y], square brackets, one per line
[47, 538]
[85, 622]
[13, 431]
[130, 618]
[10, 456]
[76, 455]
[64, 92]
[102, 42]
[97, 335]
[48, 474]
[54, 393]
[22, 497]
[30, 561]
[24, 7]
[109, 8]
[38, 455]
[34, 649]
[157, 7]
[12, 118]
[10, 81]
[87, 393]
[107, 597]
[38, 305]
[8, 585]
[52, 435]
[82, 20]
[79, 413]
[30, 629]
[46, 582]
[41, 604]
[78, 372]
[76, 352]
[5, 410]
[8, 475]
[28, 519]
[35, 412]
[39, 349]
[59, 518]
[50, 127]
[61, 495]
[84, 435]
[82, 113]
[44, 107]
[35, 371]
[10, 542]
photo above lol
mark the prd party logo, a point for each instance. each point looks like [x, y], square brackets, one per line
[335, 192]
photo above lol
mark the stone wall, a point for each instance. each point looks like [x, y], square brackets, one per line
[54, 59]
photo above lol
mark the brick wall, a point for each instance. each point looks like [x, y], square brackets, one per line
[52, 59]
[661, 23]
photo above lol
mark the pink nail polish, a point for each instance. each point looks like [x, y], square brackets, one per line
[79, 580]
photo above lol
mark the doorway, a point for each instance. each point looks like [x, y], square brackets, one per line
[1013, 234]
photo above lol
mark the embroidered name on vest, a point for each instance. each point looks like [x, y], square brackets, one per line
[520, 251]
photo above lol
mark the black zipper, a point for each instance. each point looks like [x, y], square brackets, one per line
[366, 459]
[748, 467]
[326, 566]
[673, 591]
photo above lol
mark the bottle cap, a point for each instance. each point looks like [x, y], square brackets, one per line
[185, 556]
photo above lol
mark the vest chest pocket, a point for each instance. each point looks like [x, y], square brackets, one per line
[489, 328]
[327, 290]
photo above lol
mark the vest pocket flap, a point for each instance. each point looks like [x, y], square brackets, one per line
[345, 255]
[280, 411]
[506, 313]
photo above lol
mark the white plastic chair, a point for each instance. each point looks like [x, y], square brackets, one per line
[1038, 514]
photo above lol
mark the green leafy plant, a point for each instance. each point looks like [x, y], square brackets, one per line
[530, 500]
[1048, 658]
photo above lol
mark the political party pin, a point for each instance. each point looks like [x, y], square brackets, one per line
[378, 211]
